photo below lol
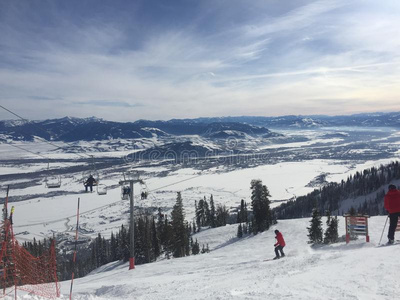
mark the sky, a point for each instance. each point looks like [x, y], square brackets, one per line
[129, 60]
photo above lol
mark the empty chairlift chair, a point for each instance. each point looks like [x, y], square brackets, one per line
[52, 182]
[101, 189]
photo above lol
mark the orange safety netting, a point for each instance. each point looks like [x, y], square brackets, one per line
[20, 270]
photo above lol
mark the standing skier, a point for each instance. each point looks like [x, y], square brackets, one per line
[392, 205]
[280, 243]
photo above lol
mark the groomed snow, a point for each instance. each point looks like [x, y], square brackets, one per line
[234, 269]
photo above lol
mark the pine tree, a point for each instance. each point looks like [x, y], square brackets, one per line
[213, 223]
[195, 247]
[178, 228]
[207, 215]
[198, 212]
[331, 234]
[352, 211]
[194, 229]
[168, 236]
[156, 239]
[328, 222]
[242, 214]
[315, 230]
[250, 227]
[222, 215]
[261, 206]
[240, 231]
[245, 230]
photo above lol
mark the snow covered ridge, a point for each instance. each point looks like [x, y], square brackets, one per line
[379, 119]
[235, 269]
[71, 130]
[89, 129]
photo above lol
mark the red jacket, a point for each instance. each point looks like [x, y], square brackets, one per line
[392, 201]
[280, 240]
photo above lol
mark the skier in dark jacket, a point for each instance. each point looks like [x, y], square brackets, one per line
[392, 205]
[90, 182]
[280, 243]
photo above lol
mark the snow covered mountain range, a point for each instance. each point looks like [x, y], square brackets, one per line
[89, 129]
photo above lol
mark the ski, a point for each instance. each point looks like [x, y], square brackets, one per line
[270, 259]
[387, 245]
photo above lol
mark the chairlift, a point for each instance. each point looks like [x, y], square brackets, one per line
[143, 192]
[125, 192]
[101, 189]
[53, 182]
[93, 172]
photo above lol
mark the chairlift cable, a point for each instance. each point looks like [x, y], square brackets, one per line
[13, 145]
[90, 156]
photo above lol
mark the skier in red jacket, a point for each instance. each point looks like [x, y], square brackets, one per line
[280, 243]
[392, 205]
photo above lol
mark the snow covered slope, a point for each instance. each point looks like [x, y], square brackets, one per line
[235, 269]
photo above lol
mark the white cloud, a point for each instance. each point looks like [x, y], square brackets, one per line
[277, 65]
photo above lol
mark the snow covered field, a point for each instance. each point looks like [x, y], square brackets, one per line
[41, 217]
[235, 269]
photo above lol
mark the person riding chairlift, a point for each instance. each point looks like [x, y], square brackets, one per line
[126, 191]
[90, 182]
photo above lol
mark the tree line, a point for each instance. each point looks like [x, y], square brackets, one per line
[330, 196]
[155, 236]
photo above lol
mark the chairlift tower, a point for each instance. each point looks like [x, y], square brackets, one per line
[131, 182]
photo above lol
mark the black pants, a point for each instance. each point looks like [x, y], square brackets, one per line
[91, 187]
[394, 217]
[280, 249]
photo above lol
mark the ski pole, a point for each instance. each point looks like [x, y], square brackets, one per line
[383, 230]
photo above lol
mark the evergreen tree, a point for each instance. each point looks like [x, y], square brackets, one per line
[250, 227]
[315, 229]
[195, 247]
[187, 240]
[178, 228]
[207, 214]
[113, 248]
[156, 239]
[352, 211]
[213, 222]
[261, 206]
[194, 229]
[168, 238]
[242, 214]
[222, 215]
[245, 230]
[331, 234]
[198, 212]
[240, 231]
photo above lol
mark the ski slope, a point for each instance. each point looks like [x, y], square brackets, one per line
[235, 269]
